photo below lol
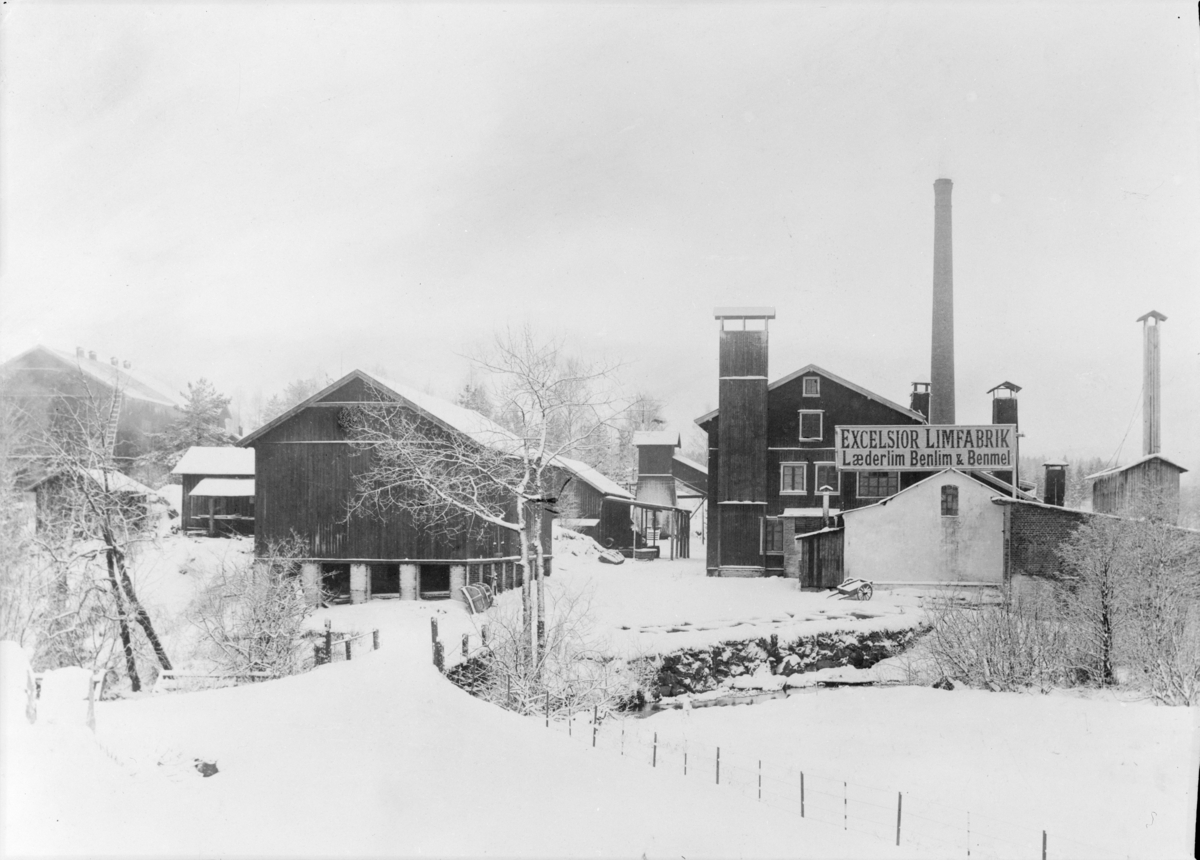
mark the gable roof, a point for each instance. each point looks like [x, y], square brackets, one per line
[590, 476]
[208, 460]
[656, 437]
[445, 414]
[812, 368]
[1139, 461]
[990, 483]
[134, 384]
[679, 458]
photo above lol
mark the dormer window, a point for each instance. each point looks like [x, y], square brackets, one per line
[812, 386]
[810, 425]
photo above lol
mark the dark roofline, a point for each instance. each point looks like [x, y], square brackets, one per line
[812, 368]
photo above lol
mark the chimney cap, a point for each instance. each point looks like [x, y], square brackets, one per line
[1007, 386]
[1061, 464]
[942, 181]
[759, 313]
[1155, 314]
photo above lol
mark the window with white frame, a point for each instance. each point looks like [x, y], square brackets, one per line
[792, 478]
[827, 475]
[773, 536]
[878, 485]
[810, 424]
[812, 386]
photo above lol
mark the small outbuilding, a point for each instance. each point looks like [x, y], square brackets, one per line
[218, 490]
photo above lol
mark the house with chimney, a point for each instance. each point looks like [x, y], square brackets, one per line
[127, 406]
[772, 468]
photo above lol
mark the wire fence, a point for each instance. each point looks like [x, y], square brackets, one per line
[886, 814]
[337, 646]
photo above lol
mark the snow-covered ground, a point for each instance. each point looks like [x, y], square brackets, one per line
[382, 756]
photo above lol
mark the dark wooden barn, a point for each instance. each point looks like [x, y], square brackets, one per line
[305, 470]
[772, 468]
[218, 490]
[127, 406]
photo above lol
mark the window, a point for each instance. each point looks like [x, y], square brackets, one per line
[812, 386]
[827, 476]
[792, 478]
[878, 485]
[772, 536]
[949, 501]
[810, 424]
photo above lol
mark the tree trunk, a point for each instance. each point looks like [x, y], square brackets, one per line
[139, 612]
[126, 643]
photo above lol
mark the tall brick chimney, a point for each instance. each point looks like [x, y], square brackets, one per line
[941, 403]
[1151, 384]
[741, 492]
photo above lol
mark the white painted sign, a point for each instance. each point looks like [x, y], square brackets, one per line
[889, 448]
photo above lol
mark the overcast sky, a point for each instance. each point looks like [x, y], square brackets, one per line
[255, 193]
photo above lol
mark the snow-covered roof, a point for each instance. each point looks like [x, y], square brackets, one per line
[1137, 462]
[587, 474]
[656, 437]
[119, 482]
[689, 462]
[986, 480]
[812, 368]
[135, 384]
[442, 412]
[207, 460]
[809, 512]
[225, 487]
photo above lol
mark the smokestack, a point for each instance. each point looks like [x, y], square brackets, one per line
[1151, 385]
[919, 400]
[79, 352]
[92, 354]
[942, 370]
[1055, 490]
[1004, 411]
[741, 491]
[113, 361]
[126, 364]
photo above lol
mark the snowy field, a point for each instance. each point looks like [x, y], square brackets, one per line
[382, 756]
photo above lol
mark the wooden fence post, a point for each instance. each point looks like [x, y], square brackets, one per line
[718, 765]
[317, 660]
[465, 647]
[348, 641]
[846, 809]
[899, 807]
[654, 755]
[439, 657]
[801, 794]
[1043, 845]
[375, 639]
[595, 723]
[547, 705]
[433, 628]
[328, 641]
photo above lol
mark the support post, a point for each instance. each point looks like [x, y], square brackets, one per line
[654, 754]
[360, 583]
[310, 582]
[466, 648]
[458, 578]
[375, 639]
[410, 576]
[595, 723]
[1043, 845]
[328, 641]
[212, 518]
[899, 807]
[348, 653]
[439, 657]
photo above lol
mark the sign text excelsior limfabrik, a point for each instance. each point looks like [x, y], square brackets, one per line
[920, 449]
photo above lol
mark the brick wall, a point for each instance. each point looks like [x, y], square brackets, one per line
[1035, 534]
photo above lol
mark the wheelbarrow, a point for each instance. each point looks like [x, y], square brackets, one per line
[854, 589]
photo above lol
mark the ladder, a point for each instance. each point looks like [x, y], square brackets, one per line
[114, 417]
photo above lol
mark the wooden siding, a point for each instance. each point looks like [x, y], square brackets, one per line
[1150, 482]
[743, 353]
[740, 535]
[822, 560]
[743, 450]
[691, 476]
[193, 513]
[305, 479]
[712, 546]
[655, 459]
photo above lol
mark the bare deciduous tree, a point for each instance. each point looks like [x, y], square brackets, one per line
[550, 404]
